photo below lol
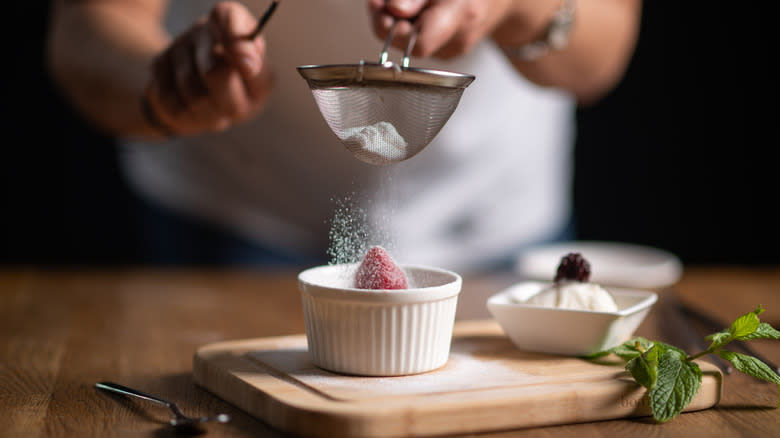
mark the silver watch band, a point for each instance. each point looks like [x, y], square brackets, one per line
[556, 36]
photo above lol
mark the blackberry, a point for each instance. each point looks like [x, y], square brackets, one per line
[573, 266]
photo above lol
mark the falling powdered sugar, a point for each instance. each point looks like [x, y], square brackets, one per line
[349, 233]
[353, 232]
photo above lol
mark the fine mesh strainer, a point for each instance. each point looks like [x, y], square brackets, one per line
[385, 112]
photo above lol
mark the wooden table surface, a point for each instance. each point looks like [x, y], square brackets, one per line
[62, 331]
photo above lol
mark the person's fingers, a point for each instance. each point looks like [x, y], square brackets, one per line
[202, 82]
[213, 69]
[177, 94]
[224, 86]
[163, 77]
[234, 22]
[384, 15]
[227, 85]
[438, 26]
[207, 48]
[202, 109]
[446, 28]
[227, 94]
[186, 79]
[405, 8]
[383, 23]
[258, 85]
[156, 111]
[375, 6]
[198, 112]
[217, 69]
[380, 19]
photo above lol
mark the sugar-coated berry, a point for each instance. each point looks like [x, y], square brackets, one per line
[379, 271]
[573, 266]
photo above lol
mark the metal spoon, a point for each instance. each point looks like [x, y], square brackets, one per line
[178, 420]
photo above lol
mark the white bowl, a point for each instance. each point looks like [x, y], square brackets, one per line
[379, 332]
[565, 331]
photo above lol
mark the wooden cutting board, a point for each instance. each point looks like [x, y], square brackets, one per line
[487, 384]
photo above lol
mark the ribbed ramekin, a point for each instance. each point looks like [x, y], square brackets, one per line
[379, 332]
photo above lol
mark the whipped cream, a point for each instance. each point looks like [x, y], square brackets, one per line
[575, 295]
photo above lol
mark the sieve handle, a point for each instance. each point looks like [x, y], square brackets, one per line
[386, 49]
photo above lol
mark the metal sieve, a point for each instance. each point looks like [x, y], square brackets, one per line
[385, 112]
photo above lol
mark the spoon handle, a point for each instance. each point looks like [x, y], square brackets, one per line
[115, 387]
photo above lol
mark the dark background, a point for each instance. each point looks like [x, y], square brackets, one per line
[679, 156]
[682, 154]
[62, 201]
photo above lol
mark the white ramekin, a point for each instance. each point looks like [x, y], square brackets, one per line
[379, 332]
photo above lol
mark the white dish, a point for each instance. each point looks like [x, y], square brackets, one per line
[379, 332]
[565, 331]
[612, 263]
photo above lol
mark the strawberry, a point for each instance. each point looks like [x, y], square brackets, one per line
[379, 271]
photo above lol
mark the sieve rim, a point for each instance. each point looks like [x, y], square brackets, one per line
[366, 73]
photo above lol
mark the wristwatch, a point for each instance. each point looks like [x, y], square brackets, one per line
[556, 36]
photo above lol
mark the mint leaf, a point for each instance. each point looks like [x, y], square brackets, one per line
[719, 339]
[752, 367]
[764, 331]
[677, 383]
[644, 368]
[745, 325]
[632, 348]
[671, 375]
[626, 351]
[744, 328]
[667, 347]
[596, 354]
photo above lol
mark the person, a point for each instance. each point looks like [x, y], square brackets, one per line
[225, 146]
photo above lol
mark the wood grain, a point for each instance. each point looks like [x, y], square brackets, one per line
[62, 331]
[487, 385]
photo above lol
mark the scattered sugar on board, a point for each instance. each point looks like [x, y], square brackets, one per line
[462, 372]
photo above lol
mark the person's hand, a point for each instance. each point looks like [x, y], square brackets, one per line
[447, 28]
[211, 76]
[450, 28]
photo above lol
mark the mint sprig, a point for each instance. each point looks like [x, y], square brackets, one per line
[671, 375]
